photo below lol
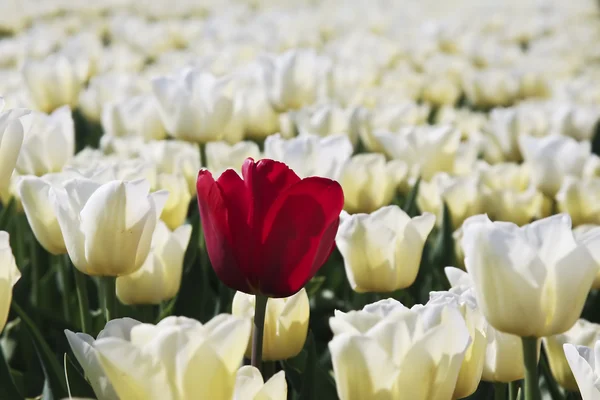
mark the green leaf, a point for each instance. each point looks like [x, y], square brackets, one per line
[8, 389]
[410, 204]
[309, 376]
[6, 213]
[442, 254]
[51, 367]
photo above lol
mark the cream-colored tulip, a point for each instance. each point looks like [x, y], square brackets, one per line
[369, 182]
[35, 196]
[9, 275]
[221, 156]
[440, 91]
[584, 364]
[426, 150]
[583, 333]
[509, 195]
[48, 144]
[53, 82]
[175, 157]
[178, 202]
[525, 278]
[311, 155]
[331, 119]
[133, 116]
[286, 323]
[178, 358]
[159, 278]
[491, 87]
[294, 78]
[194, 106]
[585, 233]
[107, 88]
[12, 130]
[249, 385]
[503, 360]
[463, 195]
[382, 251]
[83, 347]
[108, 227]
[389, 351]
[463, 298]
[580, 198]
[552, 158]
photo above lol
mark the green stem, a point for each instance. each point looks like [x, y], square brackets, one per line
[259, 330]
[532, 384]
[63, 271]
[109, 296]
[500, 391]
[203, 160]
[36, 275]
[553, 389]
[82, 297]
[513, 388]
[268, 370]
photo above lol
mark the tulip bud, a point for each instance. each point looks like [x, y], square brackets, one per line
[249, 385]
[9, 275]
[366, 365]
[53, 82]
[221, 156]
[159, 278]
[107, 228]
[49, 143]
[584, 364]
[491, 88]
[83, 347]
[311, 155]
[513, 270]
[369, 182]
[382, 251]
[193, 105]
[178, 202]
[583, 333]
[441, 91]
[286, 323]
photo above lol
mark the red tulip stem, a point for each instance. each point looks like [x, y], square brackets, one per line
[259, 330]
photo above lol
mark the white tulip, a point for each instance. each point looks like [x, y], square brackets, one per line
[221, 156]
[390, 351]
[249, 385]
[382, 250]
[369, 182]
[83, 347]
[552, 158]
[194, 106]
[53, 82]
[524, 277]
[159, 277]
[135, 116]
[9, 275]
[48, 144]
[12, 130]
[201, 362]
[584, 363]
[579, 198]
[107, 228]
[311, 155]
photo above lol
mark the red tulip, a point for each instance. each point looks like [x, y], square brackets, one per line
[270, 232]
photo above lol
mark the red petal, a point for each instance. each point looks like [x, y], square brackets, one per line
[298, 235]
[214, 218]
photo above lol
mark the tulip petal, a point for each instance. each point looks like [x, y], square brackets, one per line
[298, 234]
[215, 217]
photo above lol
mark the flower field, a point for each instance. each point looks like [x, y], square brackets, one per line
[299, 199]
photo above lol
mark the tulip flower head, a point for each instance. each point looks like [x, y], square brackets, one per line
[268, 232]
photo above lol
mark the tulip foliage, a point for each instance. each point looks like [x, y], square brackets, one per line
[273, 199]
